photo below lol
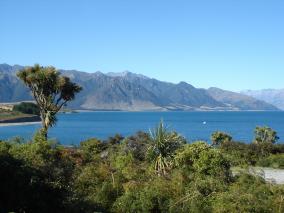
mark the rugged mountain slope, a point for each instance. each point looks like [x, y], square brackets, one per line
[272, 96]
[239, 101]
[111, 93]
[11, 89]
[175, 94]
[129, 91]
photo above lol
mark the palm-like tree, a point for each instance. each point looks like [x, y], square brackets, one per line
[50, 90]
[163, 147]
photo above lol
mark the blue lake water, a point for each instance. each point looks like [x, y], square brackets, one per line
[73, 128]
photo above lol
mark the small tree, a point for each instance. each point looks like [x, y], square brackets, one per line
[265, 135]
[163, 145]
[50, 91]
[218, 138]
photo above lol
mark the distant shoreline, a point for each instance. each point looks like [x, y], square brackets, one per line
[19, 124]
[28, 120]
[82, 110]
[23, 121]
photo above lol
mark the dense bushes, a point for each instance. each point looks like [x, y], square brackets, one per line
[27, 108]
[120, 175]
[274, 161]
[249, 194]
[241, 154]
[34, 177]
[261, 152]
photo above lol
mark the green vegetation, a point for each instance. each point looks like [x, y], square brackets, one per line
[50, 91]
[262, 152]
[156, 172]
[19, 111]
[7, 115]
[163, 145]
[27, 108]
[265, 135]
[23, 112]
[219, 138]
[274, 161]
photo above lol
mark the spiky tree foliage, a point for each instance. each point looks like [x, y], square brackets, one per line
[163, 147]
[50, 90]
[265, 135]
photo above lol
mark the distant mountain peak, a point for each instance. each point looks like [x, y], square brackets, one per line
[126, 74]
[98, 73]
[183, 83]
[117, 74]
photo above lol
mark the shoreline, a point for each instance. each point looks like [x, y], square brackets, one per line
[26, 120]
[19, 124]
[81, 110]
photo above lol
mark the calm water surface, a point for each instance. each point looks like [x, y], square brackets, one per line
[73, 128]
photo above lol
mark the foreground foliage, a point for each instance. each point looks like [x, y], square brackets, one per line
[155, 172]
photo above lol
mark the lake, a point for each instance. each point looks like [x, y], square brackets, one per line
[75, 127]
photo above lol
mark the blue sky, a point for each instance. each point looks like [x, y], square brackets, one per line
[232, 44]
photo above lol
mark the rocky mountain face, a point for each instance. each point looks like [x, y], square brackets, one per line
[11, 89]
[272, 96]
[133, 92]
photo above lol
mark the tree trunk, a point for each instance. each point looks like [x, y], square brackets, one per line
[44, 125]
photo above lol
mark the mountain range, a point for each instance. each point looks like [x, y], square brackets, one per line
[273, 96]
[133, 92]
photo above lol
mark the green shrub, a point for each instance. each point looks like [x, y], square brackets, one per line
[27, 108]
[246, 194]
[90, 148]
[274, 161]
[150, 197]
[217, 138]
[34, 177]
[204, 160]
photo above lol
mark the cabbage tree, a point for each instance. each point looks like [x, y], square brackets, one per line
[265, 135]
[163, 145]
[50, 90]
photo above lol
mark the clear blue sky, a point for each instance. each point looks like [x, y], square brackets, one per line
[232, 44]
